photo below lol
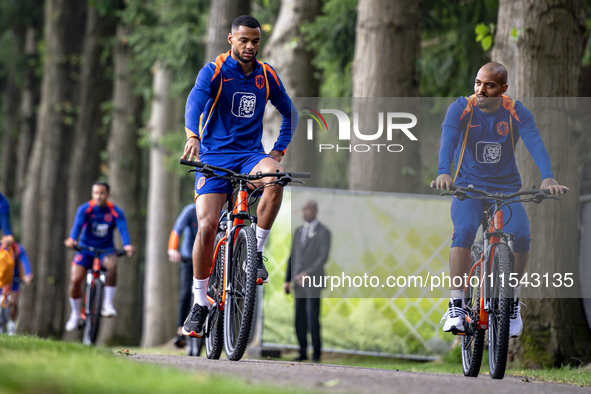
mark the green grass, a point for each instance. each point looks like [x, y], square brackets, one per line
[31, 364]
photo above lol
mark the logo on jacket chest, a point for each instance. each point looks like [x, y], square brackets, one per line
[503, 128]
[243, 104]
[488, 152]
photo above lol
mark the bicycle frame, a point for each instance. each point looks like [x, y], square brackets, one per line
[94, 273]
[237, 216]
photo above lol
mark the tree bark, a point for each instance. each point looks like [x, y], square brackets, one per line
[30, 98]
[544, 60]
[221, 16]
[387, 49]
[94, 90]
[288, 53]
[10, 104]
[161, 283]
[124, 174]
[44, 203]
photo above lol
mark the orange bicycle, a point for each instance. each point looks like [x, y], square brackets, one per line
[232, 284]
[489, 292]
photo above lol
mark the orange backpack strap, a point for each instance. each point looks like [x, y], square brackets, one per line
[469, 109]
[217, 74]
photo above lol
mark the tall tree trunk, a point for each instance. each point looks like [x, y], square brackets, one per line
[124, 175]
[544, 61]
[30, 98]
[94, 90]
[44, 202]
[288, 53]
[10, 104]
[386, 64]
[161, 283]
[221, 16]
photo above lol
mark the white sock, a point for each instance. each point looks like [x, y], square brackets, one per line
[515, 293]
[262, 236]
[75, 303]
[11, 327]
[455, 294]
[200, 291]
[110, 294]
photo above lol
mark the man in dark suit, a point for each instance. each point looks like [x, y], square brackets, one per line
[309, 252]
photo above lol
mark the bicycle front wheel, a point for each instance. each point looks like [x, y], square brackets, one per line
[93, 312]
[240, 294]
[214, 335]
[473, 340]
[498, 320]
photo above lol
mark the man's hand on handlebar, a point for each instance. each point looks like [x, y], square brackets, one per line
[70, 243]
[129, 249]
[553, 186]
[443, 182]
[192, 147]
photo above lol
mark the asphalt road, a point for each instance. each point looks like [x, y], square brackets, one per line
[336, 378]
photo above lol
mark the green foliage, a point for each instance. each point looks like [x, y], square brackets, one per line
[169, 31]
[451, 54]
[484, 35]
[332, 37]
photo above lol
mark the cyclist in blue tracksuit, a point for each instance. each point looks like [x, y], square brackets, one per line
[7, 238]
[185, 225]
[224, 125]
[479, 133]
[22, 271]
[96, 220]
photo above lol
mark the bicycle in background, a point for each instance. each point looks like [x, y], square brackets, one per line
[489, 298]
[93, 299]
[232, 284]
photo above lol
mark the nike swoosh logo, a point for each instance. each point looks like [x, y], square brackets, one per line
[474, 125]
[229, 79]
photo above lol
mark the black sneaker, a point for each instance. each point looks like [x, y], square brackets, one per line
[262, 274]
[193, 326]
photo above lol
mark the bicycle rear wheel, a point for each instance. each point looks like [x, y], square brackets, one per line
[498, 320]
[240, 294]
[214, 334]
[93, 312]
[473, 341]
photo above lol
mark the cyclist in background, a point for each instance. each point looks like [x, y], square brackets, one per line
[7, 238]
[480, 133]
[185, 225]
[96, 220]
[224, 126]
[22, 271]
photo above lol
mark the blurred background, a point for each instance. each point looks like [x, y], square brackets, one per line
[95, 90]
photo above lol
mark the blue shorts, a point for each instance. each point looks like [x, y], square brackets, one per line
[242, 163]
[467, 215]
[85, 258]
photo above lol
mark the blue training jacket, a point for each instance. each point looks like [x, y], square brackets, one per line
[488, 159]
[225, 107]
[4, 216]
[97, 225]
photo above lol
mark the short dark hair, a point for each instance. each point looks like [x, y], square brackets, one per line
[105, 184]
[245, 20]
[499, 69]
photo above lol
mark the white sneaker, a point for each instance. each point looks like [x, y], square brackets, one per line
[108, 310]
[72, 323]
[515, 322]
[455, 317]
[11, 327]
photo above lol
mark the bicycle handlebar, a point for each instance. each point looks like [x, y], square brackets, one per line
[537, 194]
[208, 169]
[96, 251]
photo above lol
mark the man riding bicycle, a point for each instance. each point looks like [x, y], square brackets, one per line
[480, 133]
[96, 219]
[224, 125]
